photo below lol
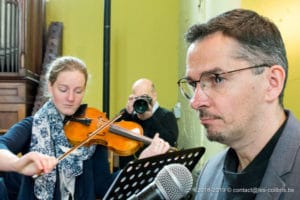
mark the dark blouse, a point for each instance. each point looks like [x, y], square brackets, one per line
[91, 184]
[162, 121]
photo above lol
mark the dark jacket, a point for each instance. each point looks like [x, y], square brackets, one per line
[162, 121]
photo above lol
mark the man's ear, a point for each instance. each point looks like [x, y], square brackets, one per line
[154, 96]
[276, 77]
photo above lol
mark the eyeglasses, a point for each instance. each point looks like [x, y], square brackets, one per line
[208, 81]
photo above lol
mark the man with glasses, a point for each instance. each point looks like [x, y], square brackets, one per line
[236, 71]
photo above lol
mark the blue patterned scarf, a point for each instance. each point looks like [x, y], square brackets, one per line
[48, 137]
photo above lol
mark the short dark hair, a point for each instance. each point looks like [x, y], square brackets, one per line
[259, 38]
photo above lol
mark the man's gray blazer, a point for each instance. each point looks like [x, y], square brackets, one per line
[282, 176]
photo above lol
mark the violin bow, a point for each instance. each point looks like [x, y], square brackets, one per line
[93, 134]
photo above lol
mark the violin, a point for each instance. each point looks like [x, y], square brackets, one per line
[123, 138]
[93, 127]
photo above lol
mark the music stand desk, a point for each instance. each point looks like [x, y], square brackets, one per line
[139, 173]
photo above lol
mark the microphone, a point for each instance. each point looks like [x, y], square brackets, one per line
[173, 182]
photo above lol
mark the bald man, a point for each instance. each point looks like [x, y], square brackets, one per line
[154, 119]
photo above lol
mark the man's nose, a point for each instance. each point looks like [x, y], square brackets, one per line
[200, 98]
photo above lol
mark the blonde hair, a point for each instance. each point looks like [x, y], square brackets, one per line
[65, 63]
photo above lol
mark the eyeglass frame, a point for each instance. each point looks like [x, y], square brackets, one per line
[217, 75]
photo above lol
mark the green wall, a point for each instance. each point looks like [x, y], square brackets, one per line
[82, 37]
[144, 43]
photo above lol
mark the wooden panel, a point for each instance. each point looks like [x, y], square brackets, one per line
[12, 93]
[18, 88]
[10, 114]
[16, 99]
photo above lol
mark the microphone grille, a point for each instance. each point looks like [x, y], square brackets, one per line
[174, 181]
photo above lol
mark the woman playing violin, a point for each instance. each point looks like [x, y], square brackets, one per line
[41, 140]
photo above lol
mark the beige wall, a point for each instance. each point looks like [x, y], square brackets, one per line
[286, 16]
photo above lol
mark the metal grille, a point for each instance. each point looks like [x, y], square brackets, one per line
[9, 35]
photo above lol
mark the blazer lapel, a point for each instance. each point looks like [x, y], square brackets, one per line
[271, 188]
[286, 149]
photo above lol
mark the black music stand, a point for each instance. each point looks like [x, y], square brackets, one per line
[138, 174]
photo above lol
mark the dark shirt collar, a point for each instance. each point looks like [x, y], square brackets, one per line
[252, 175]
